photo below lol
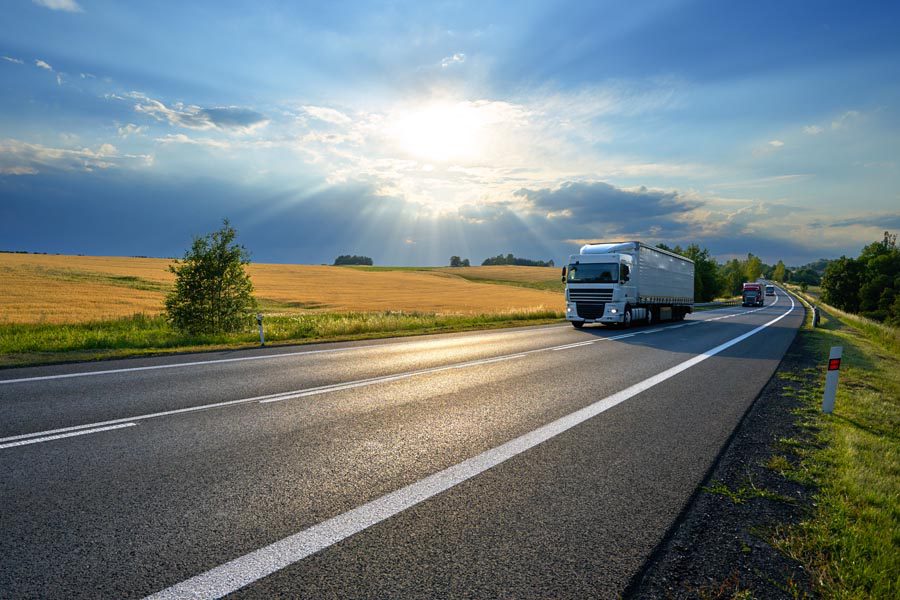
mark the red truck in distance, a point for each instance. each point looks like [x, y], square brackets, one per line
[753, 294]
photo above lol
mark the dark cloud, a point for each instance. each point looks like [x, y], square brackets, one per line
[230, 117]
[121, 212]
[889, 221]
[600, 209]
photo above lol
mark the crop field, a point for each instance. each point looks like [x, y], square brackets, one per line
[39, 288]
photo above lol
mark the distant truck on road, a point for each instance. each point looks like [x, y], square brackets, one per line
[752, 294]
[620, 283]
[770, 290]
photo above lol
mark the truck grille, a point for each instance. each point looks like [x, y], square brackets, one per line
[590, 310]
[591, 295]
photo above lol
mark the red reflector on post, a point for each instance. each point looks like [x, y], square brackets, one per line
[834, 364]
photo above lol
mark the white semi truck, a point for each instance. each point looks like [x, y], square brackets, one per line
[627, 282]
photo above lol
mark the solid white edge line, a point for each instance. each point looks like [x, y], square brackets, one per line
[38, 440]
[242, 571]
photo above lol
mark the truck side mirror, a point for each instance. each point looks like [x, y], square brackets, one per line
[564, 275]
[625, 273]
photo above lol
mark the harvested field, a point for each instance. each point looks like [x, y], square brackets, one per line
[39, 288]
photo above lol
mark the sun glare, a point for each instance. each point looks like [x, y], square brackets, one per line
[439, 132]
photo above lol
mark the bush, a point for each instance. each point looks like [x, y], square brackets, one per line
[213, 292]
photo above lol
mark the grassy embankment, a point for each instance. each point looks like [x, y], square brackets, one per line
[850, 543]
[59, 308]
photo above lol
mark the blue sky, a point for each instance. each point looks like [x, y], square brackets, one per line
[412, 131]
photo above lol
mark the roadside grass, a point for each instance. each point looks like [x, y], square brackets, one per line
[850, 543]
[746, 492]
[30, 344]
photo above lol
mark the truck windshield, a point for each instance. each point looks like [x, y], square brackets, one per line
[593, 273]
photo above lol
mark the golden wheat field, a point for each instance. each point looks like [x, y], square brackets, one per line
[37, 288]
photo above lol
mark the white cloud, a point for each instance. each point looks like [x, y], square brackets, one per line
[18, 171]
[812, 130]
[21, 158]
[456, 59]
[65, 5]
[190, 116]
[776, 143]
[844, 119]
[13, 60]
[131, 129]
[329, 115]
[58, 79]
[43, 65]
[180, 138]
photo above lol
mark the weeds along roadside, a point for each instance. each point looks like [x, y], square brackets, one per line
[30, 344]
[850, 543]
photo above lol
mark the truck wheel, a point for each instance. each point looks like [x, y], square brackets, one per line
[649, 316]
[577, 324]
[626, 319]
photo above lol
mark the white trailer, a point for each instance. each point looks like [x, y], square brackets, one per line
[627, 282]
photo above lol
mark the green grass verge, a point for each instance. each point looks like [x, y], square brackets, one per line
[30, 344]
[850, 544]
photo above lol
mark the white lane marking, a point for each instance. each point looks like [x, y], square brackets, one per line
[575, 345]
[242, 571]
[271, 397]
[230, 360]
[335, 387]
[48, 438]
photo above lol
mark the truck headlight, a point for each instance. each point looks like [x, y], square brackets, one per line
[613, 311]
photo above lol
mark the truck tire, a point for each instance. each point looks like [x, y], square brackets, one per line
[649, 316]
[577, 324]
[626, 319]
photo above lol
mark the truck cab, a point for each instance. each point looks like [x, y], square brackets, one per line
[597, 288]
[752, 295]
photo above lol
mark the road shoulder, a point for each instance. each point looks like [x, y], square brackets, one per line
[720, 546]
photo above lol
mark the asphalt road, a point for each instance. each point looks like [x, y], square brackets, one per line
[537, 462]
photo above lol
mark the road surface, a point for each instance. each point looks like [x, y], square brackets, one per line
[535, 462]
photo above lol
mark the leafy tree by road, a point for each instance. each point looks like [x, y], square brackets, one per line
[868, 285]
[778, 272]
[213, 292]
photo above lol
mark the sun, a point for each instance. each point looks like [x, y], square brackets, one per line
[439, 132]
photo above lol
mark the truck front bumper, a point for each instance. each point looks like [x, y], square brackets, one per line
[612, 313]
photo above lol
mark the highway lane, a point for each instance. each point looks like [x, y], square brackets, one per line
[61, 396]
[128, 512]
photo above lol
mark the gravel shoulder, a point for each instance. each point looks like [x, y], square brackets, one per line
[721, 546]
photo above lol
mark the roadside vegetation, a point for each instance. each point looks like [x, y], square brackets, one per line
[29, 344]
[850, 542]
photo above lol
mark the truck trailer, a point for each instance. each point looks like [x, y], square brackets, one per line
[620, 283]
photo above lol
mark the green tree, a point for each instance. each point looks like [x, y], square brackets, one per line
[733, 275]
[753, 268]
[213, 292]
[778, 272]
[841, 282]
[455, 261]
[707, 284]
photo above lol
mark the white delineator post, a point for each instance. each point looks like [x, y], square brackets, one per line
[831, 378]
[262, 339]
